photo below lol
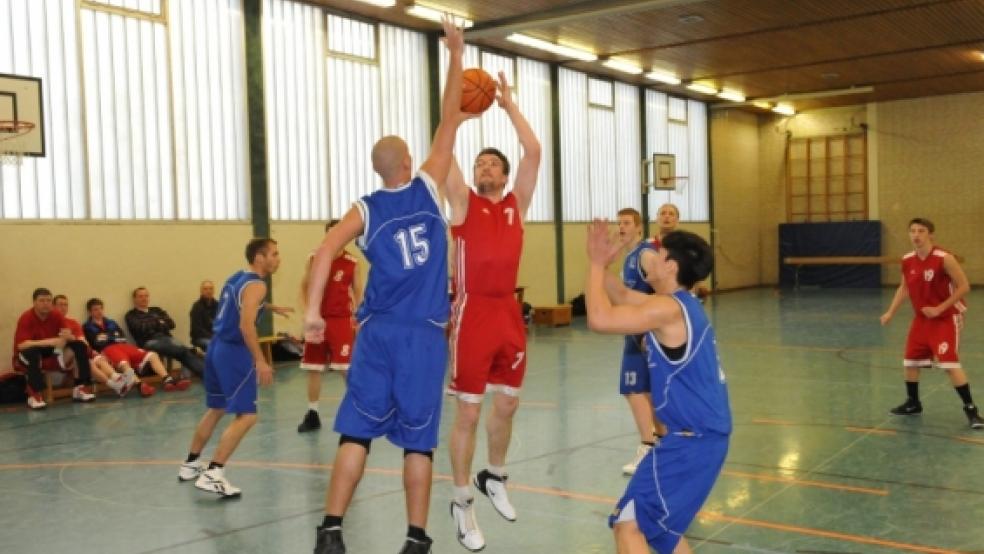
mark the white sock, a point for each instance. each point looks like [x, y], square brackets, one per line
[313, 405]
[462, 495]
[498, 471]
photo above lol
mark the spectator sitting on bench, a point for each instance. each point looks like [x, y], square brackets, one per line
[106, 336]
[101, 370]
[150, 327]
[203, 314]
[40, 337]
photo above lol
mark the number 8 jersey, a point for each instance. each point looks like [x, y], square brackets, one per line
[405, 240]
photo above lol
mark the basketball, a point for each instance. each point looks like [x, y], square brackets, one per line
[477, 90]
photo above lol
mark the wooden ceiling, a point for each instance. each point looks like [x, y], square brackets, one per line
[762, 48]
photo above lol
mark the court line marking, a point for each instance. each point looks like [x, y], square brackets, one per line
[547, 491]
[805, 482]
[830, 459]
[872, 431]
[866, 430]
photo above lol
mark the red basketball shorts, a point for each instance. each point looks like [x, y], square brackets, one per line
[488, 347]
[937, 338]
[335, 351]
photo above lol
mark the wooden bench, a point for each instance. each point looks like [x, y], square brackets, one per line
[266, 346]
[553, 316]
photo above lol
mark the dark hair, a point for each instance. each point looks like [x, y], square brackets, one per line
[924, 222]
[40, 291]
[136, 290]
[257, 246]
[636, 216]
[691, 253]
[498, 154]
[91, 303]
[59, 296]
[331, 224]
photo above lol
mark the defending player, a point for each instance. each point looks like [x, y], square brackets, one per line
[689, 391]
[935, 283]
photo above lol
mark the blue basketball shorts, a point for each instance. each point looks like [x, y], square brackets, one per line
[230, 378]
[669, 487]
[395, 384]
[634, 376]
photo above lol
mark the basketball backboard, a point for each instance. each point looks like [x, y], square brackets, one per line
[21, 117]
[664, 172]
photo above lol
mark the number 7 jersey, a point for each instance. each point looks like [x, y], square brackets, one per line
[488, 245]
[405, 241]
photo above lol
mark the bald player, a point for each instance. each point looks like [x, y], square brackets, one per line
[397, 370]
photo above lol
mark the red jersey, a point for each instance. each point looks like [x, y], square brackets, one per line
[337, 300]
[488, 246]
[928, 283]
[32, 327]
[75, 327]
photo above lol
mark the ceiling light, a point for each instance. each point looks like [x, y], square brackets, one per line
[663, 77]
[981, 54]
[763, 105]
[380, 3]
[784, 109]
[558, 49]
[702, 88]
[690, 19]
[622, 65]
[436, 13]
[732, 95]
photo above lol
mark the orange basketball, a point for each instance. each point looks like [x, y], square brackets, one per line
[477, 90]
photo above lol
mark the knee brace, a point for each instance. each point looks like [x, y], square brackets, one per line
[364, 443]
[428, 453]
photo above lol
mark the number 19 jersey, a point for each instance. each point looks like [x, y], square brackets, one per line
[405, 241]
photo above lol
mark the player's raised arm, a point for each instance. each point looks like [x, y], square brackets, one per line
[438, 162]
[603, 317]
[529, 164]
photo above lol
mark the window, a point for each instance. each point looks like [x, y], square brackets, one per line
[678, 126]
[39, 39]
[530, 81]
[163, 116]
[336, 85]
[600, 163]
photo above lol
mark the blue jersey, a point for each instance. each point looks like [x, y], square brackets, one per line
[226, 324]
[690, 394]
[405, 240]
[632, 274]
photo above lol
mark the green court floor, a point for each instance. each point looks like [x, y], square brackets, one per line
[816, 464]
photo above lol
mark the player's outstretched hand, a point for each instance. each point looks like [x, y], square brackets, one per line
[454, 36]
[264, 373]
[601, 250]
[504, 95]
[885, 318]
[314, 329]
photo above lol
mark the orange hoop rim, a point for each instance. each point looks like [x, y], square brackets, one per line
[15, 126]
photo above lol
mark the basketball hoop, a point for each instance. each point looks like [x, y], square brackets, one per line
[671, 184]
[9, 130]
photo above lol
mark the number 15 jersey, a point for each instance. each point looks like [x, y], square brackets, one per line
[405, 240]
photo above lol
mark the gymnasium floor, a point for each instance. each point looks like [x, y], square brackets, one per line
[816, 462]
